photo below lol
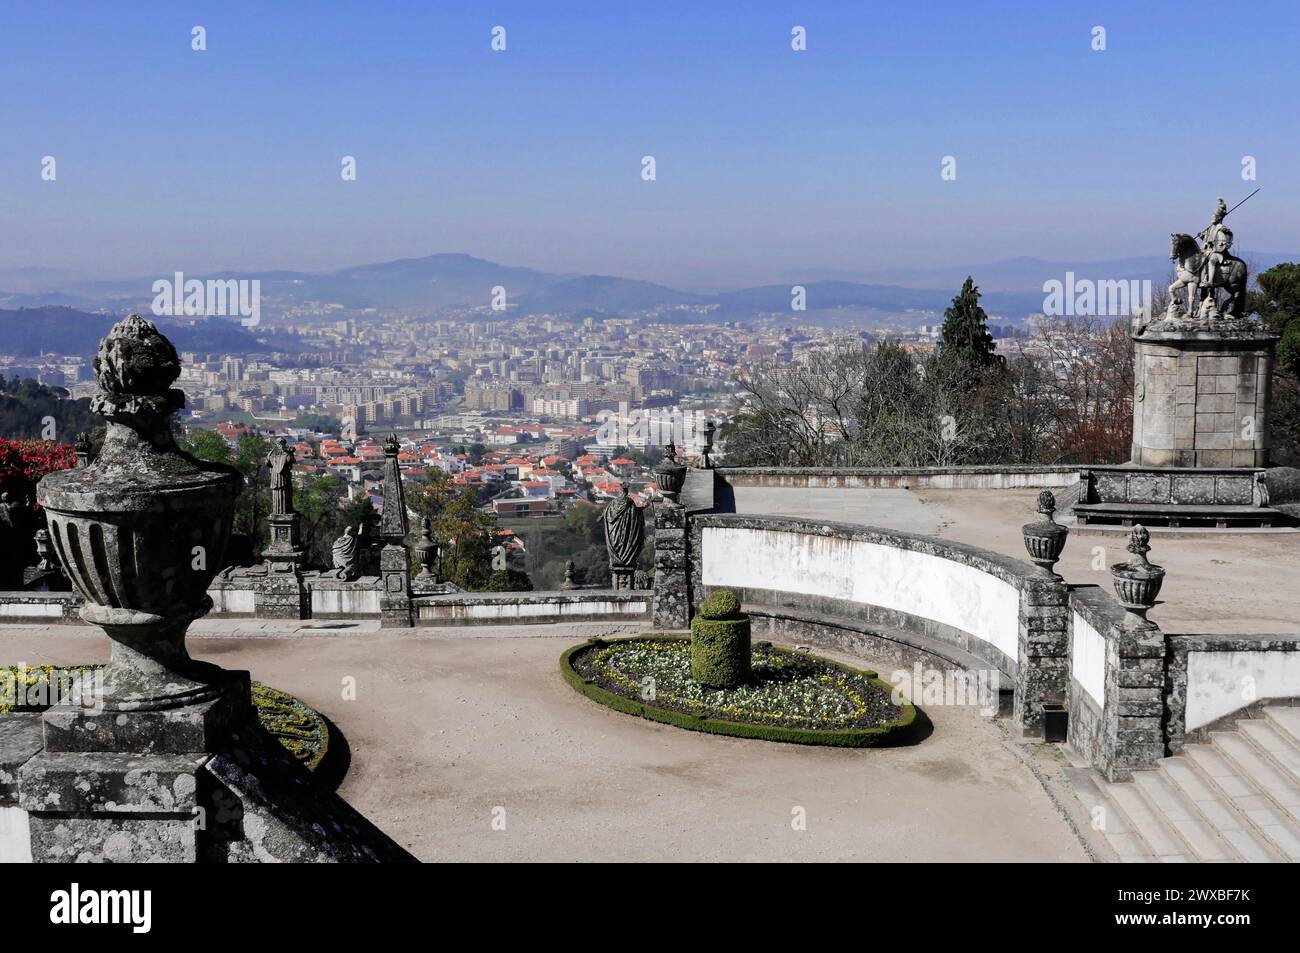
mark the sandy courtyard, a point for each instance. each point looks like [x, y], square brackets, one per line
[449, 730]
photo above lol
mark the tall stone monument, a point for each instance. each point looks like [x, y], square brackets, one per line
[168, 763]
[1202, 376]
[395, 607]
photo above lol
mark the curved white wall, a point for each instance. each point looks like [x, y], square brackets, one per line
[942, 590]
[1088, 660]
[1219, 683]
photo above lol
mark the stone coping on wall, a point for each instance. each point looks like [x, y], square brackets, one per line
[1177, 679]
[957, 477]
[22, 606]
[499, 608]
[1098, 607]
[1018, 574]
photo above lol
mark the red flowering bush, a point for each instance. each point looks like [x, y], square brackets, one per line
[24, 462]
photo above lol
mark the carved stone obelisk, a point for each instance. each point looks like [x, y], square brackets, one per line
[395, 610]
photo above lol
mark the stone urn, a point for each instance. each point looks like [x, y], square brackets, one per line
[706, 453]
[142, 530]
[426, 554]
[1137, 582]
[670, 475]
[1045, 538]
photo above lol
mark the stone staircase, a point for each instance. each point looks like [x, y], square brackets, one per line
[1234, 798]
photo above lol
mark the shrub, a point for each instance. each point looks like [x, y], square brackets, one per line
[720, 644]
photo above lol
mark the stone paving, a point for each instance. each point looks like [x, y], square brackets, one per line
[448, 725]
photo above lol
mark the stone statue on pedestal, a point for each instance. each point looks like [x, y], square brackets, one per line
[624, 535]
[1204, 265]
[280, 462]
[347, 555]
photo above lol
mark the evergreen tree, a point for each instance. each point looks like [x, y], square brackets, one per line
[966, 336]
[1277, 302]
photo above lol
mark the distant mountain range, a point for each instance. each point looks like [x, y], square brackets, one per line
[1012, 289]
[29, 332]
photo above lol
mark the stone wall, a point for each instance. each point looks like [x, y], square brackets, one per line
[515, 608]
[40, 607]
[893, 597]
[1214, 677]
[345, 599]
[954, 586]
[950, 478]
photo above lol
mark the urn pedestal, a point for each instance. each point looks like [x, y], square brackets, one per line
[280, 592]
[1202, 395]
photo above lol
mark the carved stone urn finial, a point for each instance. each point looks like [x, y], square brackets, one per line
[706, 454]
[142, 530]
[426, 554]
[670, 475]
[1045, 538]
[1138, 581]
[82, 446]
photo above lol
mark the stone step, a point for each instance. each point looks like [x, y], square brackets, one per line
[1267, 819]
[1106, 817]
[1160, 839]
[1284, 753]
[1284, 719]
[1166, 799]
[1275, 783]
[1217, 810]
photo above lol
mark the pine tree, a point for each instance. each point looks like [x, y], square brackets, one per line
[966, 336]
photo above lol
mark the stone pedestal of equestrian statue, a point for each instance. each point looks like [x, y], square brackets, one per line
[1201, 396]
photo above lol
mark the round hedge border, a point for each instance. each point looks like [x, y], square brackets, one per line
[909, 726]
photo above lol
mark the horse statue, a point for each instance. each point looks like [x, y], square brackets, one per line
[1193, 271]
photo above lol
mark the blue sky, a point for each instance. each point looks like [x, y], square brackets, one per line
[768, 160]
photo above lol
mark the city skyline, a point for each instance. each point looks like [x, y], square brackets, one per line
[768, 160]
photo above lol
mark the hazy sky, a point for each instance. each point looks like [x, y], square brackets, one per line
[767, 159]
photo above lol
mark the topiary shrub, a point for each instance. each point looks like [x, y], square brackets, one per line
[720, 647]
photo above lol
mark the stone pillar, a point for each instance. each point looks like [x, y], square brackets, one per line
[281, 593]
[1043, 665]
[1135, 682]
[671, 604]
[395, 606]
[1202, 396]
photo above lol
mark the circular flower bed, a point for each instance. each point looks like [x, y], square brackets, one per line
[790, 696]
[300, 729]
